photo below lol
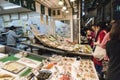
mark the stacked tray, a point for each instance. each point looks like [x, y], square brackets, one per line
[14, 67]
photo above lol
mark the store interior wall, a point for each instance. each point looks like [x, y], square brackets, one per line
[45, 24]
[63, 29]
[108, 12]
[63, 23]
[26, 19]
[34, 18]
[1, 25]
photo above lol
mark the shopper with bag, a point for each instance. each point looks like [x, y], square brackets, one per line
[102, 49]
[113, 52]
[101, 32]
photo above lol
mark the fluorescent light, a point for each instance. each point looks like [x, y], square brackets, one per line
[64, 8]
[67, 11]
[89, 21]
[60, 2]
[83, 13]
[72, 0]
[11, 7]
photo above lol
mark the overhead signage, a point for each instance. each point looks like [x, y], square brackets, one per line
[58, 12]
[54, 12]
[32, 5]
[6, 0]
[49, 11]
[24, 3]
[42, 9]
[15, 1]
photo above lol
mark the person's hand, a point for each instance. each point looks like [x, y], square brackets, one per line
[96, 43]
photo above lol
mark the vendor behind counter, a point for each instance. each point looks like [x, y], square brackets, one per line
[11, 37]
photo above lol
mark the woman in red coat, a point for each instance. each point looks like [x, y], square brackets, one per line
[101, 32]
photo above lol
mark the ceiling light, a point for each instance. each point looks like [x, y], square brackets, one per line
[64, 8]
[67, 11]
[83, 13]
[72, 0]
[11, 7]
[89, 21]
[60, 2]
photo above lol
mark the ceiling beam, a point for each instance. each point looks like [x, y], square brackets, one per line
[70, 4]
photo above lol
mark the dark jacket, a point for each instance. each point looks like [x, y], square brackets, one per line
[113, 51]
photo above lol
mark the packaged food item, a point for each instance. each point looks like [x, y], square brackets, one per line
[44, 75]
[29, 62]
[6, 77]
[14, 67]
[50, 65]
[65, 77]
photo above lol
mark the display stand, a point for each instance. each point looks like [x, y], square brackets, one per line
[83, 60]
[48, 47]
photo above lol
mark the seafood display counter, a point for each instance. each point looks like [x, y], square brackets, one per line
[21, 65]
[67, 68]
[53, 43]
[16, 64]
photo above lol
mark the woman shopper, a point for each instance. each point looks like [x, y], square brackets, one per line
[113, 52]
[90, 37]
[103, 45]
[101, 32]
[107, 37]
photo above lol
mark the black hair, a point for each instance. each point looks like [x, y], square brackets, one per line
[94, 24]
[89, 29]
[115, 31]
[102, 25]
[12, 28]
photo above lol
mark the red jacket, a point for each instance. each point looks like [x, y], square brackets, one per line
[100, 37]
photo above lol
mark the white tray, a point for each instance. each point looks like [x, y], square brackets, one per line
[29, 62]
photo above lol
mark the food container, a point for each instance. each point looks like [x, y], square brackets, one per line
[14, 67]
[44, 75]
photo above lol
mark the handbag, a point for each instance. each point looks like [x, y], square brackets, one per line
[99, 53]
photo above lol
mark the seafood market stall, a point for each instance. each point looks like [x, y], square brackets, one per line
[21, 65]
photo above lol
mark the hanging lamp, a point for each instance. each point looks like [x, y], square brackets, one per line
[72, 0]
[60, 2]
